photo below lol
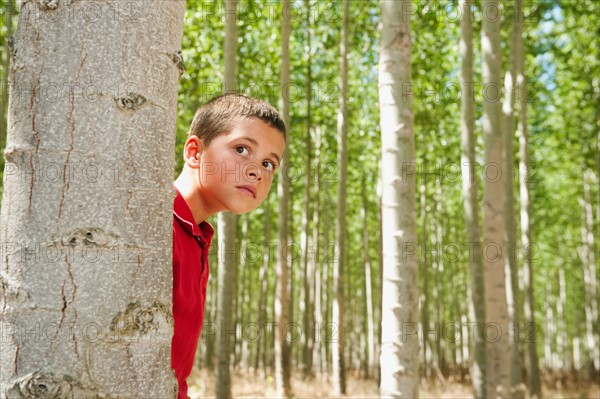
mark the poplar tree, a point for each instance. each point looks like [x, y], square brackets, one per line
[496, 328]
[400, 307]
[86, 290]
[338, 311]
[282, 348]
[470, 198]
[227, 226]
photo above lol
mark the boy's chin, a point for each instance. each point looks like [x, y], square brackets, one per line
[240, 210]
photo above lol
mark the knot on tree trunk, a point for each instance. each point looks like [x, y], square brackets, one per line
[130, 101]
[48, 4]
[41, 385]
[177, 58]
[91, 236]
[10, 41]
[140, 319]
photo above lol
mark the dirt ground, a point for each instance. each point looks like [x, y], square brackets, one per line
[248, 385]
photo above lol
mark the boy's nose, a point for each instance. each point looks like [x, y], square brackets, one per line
[254, 172]
[256, 176]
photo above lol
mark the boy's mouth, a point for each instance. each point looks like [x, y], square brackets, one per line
[249, 190]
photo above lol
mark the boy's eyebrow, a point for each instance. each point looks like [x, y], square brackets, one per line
[256, 143]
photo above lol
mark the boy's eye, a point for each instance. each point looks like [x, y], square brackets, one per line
[270, 166]
[240, 149]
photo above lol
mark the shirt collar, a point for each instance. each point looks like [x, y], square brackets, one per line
[181, 210]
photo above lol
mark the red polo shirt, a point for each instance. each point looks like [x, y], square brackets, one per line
[190, 275]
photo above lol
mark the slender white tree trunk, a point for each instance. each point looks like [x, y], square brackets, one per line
[316, 260]
[561, 338]
[496, 329]
[424, 304]
[470, 198]
[282, 349]
[308, 263]
[534, 383]
[241, 303]
[338, 348]
[86, 286]
[227, 226]
[264, 285]
[378, 309]
[438, 282]
[548, 329]
[590, 280]
[370, 322]
[400, 308]
[517, 388]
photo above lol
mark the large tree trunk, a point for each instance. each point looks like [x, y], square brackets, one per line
[497, 368]
[86, 286]
[337, 350]
[227, 226]
[400, 308]
[511, 267]
[534, 383]
[282, 349]
[470, 198]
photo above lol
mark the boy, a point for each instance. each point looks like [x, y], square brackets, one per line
[234, 146]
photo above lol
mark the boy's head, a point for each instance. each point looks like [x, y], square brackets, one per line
[234, 146]
[219, 115]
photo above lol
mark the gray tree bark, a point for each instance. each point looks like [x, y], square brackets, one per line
[227, 227]
[338, 348]
[85, 291]
[400, 307]
[282, 349]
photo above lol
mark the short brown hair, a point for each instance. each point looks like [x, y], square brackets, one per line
[221, 114]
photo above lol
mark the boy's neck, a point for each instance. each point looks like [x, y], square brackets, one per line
[188, 190]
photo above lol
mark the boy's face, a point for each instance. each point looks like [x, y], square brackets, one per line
[236, 169]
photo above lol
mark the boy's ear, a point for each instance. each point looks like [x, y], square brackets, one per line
[192, 151]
